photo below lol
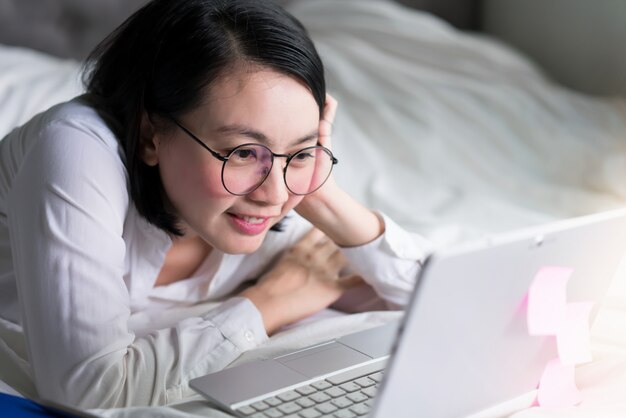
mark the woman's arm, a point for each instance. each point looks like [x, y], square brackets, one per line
[387, 257]
[342, 218]
[66, 215]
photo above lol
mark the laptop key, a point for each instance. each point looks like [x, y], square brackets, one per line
[326, 408]
[357, 397]
[321, 385]
[305, 402]
[289, 408]
[371, 391]
[335, 392]
[306, 390]
[259, 406]
[272, 401]
[273, 413]
[350, 387]
[319, 397]
[344, 377]
[377, 377]
[346, 413]
[246, 410]
[310, 413]
[342, 402]
[290, 395]
[365, 382]
[360, 409]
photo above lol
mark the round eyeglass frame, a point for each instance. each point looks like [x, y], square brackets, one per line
[289, 157]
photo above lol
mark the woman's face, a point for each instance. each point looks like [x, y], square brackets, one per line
[260, 106]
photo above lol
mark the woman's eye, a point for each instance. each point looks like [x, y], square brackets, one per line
[245, 154]
[304, 156]
[303, 159]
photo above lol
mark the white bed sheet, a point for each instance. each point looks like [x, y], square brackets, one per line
[453, 135]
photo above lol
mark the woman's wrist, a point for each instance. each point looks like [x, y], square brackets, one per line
[264, 306]
[341, 217]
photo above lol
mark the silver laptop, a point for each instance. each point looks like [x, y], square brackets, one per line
[462, 345]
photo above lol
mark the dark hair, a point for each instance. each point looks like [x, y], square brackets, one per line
[161, 59]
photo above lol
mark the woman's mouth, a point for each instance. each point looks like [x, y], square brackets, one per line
[249, 225]
[252, 219]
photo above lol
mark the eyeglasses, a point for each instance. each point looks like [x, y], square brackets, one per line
[247, 166]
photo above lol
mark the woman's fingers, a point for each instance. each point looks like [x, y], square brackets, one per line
[324, 248]
[326, 123]
[315, 241]
[318, 254]
[350, 282]
[305, 280]
[325, 254]
[330, 109]
[337, 261]
[308, 240]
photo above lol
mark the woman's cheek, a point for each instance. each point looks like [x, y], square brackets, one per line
[211, 183]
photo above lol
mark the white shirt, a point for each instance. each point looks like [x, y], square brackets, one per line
[78, 266]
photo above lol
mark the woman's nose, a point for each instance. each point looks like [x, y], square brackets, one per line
[273, 190]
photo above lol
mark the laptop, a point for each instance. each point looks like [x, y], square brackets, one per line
[461, 346]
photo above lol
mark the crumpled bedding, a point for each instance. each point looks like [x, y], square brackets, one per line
[453, 135]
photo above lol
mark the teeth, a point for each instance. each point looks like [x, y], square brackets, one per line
[252, 220]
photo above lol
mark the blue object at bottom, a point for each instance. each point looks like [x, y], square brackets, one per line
[14, 406]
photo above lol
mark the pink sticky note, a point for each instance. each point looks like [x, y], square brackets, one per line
[572, 339]
[557, 387]
[547, 300]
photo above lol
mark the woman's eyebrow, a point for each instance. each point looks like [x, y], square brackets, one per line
[241, 130]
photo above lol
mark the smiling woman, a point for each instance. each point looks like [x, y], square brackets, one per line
[229, 202]
[206, 124]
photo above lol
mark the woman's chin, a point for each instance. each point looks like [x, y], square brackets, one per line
[240, 245]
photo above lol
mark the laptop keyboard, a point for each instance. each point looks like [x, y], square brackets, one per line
[345, 395]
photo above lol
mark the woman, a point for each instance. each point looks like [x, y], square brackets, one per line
[173, 181]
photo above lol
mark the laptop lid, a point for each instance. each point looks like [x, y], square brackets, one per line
[463, 344]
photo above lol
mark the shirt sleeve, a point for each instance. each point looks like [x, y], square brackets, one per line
[66, 212]
[390, 264]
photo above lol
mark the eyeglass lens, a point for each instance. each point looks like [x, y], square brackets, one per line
[249, 165]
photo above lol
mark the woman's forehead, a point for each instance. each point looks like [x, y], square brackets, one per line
[249, 79]
[276, 105]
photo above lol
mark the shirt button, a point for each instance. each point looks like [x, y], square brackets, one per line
[249, 336]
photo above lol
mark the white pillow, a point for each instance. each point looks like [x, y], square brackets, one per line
[31, 82]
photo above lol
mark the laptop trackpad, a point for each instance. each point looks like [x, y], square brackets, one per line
[323, 359]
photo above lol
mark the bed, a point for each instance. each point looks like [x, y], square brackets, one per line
[462, 137]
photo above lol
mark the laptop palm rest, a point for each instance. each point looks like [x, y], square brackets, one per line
[323, 359]
[260, 377]
[249, 380]
[349, 350]
[374, 342]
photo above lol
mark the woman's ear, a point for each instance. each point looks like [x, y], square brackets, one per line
[148, 141]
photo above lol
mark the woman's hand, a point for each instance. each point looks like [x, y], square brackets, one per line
[325, 130]
[330, 208]
[304, 281]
